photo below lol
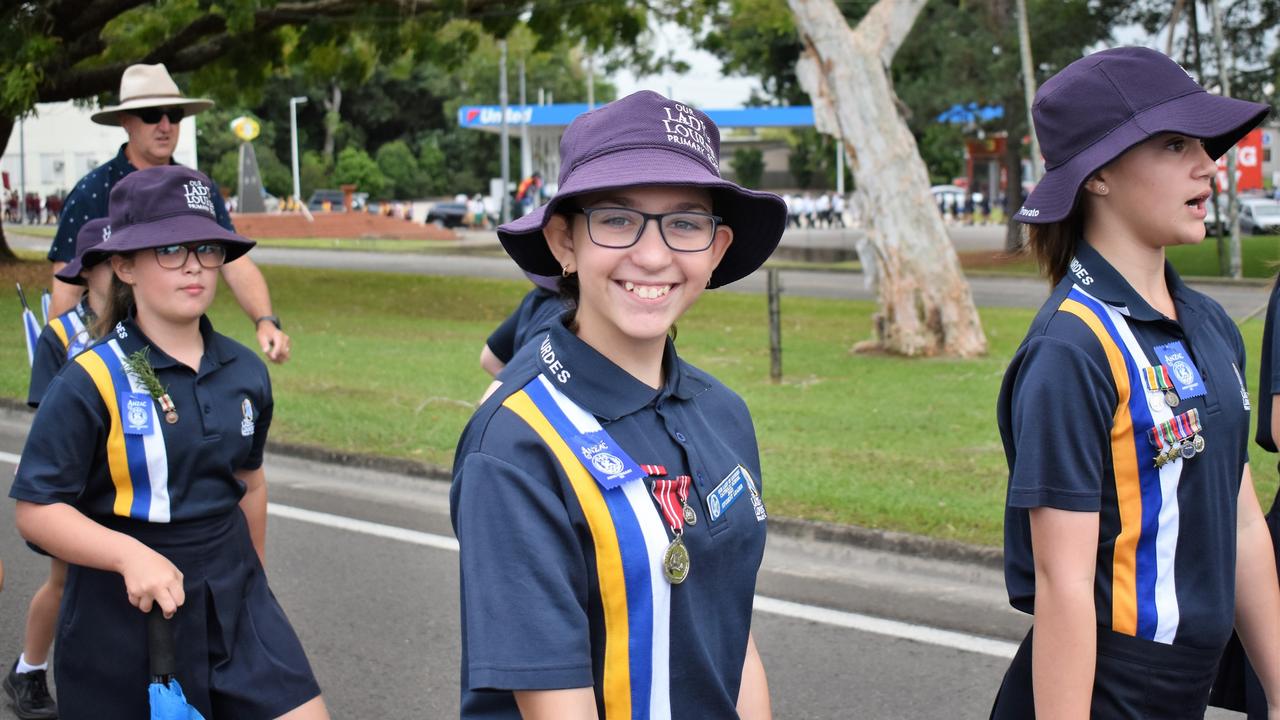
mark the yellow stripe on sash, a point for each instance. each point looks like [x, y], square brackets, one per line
[613, 591]
[1124, 460]
[117, 461]
[61, 332]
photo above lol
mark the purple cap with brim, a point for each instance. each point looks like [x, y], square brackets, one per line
[1098, 107]
[646, 139]
[91, 235]
[165, 205]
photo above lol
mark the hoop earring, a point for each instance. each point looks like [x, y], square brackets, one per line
[564, 271]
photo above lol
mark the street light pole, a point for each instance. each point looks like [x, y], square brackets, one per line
[293, 132]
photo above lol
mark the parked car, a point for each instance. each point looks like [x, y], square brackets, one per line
[334, 197]
[448, 214]
[1260, 216]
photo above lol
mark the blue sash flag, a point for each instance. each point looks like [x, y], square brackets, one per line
[628, 539]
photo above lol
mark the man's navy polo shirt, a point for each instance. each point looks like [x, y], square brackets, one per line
[535, 313]
[98, 458]
[88, 200]
[531, 587]
[1167, 536]
[65, 334]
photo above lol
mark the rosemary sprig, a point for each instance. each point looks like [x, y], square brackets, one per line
[139, 365]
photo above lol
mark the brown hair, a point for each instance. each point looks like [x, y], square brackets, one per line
[1054, 244]
[119, 304]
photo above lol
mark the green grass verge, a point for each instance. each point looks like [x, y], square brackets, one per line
[387, 364]
[1259, 257]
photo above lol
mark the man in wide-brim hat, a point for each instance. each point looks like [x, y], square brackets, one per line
[150, 110]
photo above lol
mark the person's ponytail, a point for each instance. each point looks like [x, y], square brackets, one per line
[1054, 244]
[119, 305]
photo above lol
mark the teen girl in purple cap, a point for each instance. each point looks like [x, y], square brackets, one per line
[1132, 530]
[62, 339]
[607, 498]
[143, 471]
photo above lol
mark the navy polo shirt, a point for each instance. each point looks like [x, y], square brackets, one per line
[537, 310]
[1268, 372]
[1074, 415]
[88, 200]
[64, 337]
[121, 458]
[545, 602]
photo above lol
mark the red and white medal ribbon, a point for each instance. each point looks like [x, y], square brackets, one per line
[672, 494]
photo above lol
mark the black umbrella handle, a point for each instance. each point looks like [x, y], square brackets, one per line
[160, 644]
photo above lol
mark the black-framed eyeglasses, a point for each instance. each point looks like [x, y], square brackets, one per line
[209, 255]
[619, 228]
[151, 116]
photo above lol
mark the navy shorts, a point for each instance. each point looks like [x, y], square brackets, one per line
[237, 654]
[1134, 679]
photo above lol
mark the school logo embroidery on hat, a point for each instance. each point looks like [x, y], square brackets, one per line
[106, 233]
[683, 127]
[199, 196]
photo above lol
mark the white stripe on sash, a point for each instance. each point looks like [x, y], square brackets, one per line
[1168, 614]
[655, 538]
[153, 443]
[78, 340]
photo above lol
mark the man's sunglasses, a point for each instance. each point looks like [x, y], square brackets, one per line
[151, 116]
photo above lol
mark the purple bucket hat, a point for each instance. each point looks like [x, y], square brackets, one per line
[165, 205]
[92, 234]
[1098, 107]
[646, 139]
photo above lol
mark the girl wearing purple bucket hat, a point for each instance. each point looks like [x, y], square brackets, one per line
[607, 498]
[143, 471]
[1132, 530]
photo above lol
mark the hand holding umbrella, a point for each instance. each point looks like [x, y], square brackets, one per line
[167, 700]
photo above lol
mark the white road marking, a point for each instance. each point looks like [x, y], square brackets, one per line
[390, 532]
[773, 606]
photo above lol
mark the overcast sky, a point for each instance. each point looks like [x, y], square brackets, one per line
[704, 86]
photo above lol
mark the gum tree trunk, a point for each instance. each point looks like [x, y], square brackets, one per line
[926, 307]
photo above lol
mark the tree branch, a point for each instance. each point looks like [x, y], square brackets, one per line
[205, 39]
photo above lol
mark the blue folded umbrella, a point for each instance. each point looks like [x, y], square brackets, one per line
[167, 700]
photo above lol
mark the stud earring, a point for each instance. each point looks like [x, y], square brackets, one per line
[1102, 189]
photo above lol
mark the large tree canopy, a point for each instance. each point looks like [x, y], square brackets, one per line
[55, 50]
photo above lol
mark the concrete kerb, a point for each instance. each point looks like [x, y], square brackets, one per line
[869, 538]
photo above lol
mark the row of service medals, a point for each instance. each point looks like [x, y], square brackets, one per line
[673, 499]
[1180, 436]
[1177, 437]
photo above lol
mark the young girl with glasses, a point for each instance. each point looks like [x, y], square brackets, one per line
[607, 499]
[143, 471]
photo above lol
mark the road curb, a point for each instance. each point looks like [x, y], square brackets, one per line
[886, 540]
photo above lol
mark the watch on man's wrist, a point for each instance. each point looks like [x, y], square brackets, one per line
[269, 318]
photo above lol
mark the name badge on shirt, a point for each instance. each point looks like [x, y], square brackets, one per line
[137, 415]
[1186, 376]
[729, 490]
[607, 463]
